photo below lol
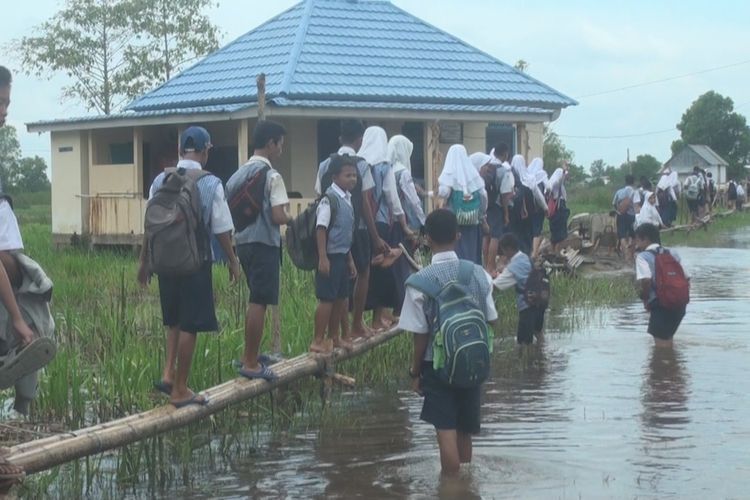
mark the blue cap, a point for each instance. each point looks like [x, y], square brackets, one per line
[194, 139]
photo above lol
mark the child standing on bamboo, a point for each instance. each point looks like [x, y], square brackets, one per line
[335, 232]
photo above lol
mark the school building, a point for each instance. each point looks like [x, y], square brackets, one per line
[324, 60]
[699, 155]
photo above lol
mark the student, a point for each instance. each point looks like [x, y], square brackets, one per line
[539, 180]
[19, 344]
[522, 205]
[514, 275]
[559, 212]
[384, 291]
[455, 413]
[335, 233]
[187, 302]
[399, 154]
[649, 213]
[462, 188]
[367, 241]
[625, 208]
[666, 198]
[483, 163]
[663, 322]
[259, 244]
[710, 190]
[693, 189]
[499, 203]
[741, 197]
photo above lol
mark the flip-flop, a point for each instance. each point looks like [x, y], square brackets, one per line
[264, 373]
[192, 400]
[163, 387]
[28, 359]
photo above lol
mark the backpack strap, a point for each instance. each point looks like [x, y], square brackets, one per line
[333, 202]
[427, 286]
[465, 272]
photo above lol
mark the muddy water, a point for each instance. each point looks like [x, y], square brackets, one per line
[596, 412]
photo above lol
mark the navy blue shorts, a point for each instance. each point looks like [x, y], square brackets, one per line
[663, 323]
[188, 301]
[449, 408]
[496, 221]
[262, 265]
[625, 226]
[335, 286]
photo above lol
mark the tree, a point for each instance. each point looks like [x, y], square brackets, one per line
[521, 65]
[598, 169]
[86, 41]
[32, 175]
[115, 50]
[644, 166]
[175, 32]
[17, 173]
[711, 120]
[10, 154]
[555, 154]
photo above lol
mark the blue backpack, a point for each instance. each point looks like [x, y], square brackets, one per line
[463, 342]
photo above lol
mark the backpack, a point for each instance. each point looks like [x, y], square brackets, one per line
[536, 291]
[301, 235]
[467, 211]
[246, 203]
[672, 287]
[692, 188]
[489, 176]
[463, 343]
[624, 204]
[177, 240]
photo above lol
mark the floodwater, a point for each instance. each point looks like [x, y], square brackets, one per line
[596, 412]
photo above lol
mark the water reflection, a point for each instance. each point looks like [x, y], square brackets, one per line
[664, 396]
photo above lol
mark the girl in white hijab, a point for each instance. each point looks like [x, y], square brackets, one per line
[386, 289]
[536, 180]
[518, 163]
[649, 213]
[463, 189]
[558, 196]
[400, 149]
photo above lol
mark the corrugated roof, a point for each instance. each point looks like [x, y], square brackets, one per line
[195, 110]
[708, 154]
[392, 106]
[366, 51]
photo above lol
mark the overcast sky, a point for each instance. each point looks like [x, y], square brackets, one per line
[579, 47]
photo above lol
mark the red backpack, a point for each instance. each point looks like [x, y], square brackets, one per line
[672, 286]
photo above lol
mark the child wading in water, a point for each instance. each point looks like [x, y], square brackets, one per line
[335, 232]
[663, 286]
[453, 407]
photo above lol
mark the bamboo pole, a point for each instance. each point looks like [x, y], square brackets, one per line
[275, 315]
[42, 454]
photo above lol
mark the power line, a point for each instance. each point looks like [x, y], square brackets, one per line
[668, 79]
[625, 136]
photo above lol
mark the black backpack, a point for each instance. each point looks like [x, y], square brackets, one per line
[246, 203]
[537, 290]
[301, 234]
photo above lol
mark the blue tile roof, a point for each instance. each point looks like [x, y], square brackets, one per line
[366, 51]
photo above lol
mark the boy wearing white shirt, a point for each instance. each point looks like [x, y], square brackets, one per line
[334, 234]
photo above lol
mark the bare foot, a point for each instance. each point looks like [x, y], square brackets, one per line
[324, 347]
[361, 331]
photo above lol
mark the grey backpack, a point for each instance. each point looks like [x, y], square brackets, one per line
[177, 239]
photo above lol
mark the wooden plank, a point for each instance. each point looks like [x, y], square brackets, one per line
[42, 454]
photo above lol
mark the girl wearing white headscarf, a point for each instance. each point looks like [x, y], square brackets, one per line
[400, 149]
[558, 214]
[649, 213]
[518, 164]
[537, 177]
[463, 189]
[667, 198]
[385, 291]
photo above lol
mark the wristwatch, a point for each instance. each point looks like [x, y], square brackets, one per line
[412, 374]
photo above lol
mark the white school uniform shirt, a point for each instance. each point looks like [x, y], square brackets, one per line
[323, 213]
[367, 181]
[276, 187]
[413, 318]
[221, 217]
[10, 234]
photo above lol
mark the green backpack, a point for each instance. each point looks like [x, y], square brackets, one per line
[463, 343]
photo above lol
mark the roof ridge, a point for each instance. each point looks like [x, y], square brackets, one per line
[477, 49]
[299, 39]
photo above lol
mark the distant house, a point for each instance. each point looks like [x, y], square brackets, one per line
[702, 156]
[324, 60]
